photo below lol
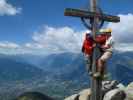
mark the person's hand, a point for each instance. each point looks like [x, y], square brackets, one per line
[103, 46]
[94, 44]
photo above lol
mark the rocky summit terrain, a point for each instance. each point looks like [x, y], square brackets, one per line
[56, 75]
[111, 91]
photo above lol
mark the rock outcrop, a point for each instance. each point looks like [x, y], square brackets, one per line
[83, 95]
[115, 94]
[112, 91]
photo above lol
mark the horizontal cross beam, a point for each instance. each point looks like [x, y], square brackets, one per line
[88, 15]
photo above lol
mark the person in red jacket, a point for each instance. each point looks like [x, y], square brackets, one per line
[87, 45]
[87, 50]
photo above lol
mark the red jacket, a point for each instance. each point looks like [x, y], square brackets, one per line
[101, 39]
[87, 47]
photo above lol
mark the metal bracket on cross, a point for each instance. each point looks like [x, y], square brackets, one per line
[88, 22]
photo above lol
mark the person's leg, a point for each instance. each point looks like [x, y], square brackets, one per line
[100, 66]
[88, 62]
[101, 63]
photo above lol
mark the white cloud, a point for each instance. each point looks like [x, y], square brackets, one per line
[123, 32]
[47, 40]
[66, 39]
[10, 45]
[124, 47]
[58, 39]
[7, 47]
[8, 9]
[33, 45]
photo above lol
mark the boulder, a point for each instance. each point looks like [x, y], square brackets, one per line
[85, 94]
[121, 86]
[112, 90]
[73, 97]
[115, 94]
[129, 91]
[108, 85]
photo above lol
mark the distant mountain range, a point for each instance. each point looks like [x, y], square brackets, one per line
[61, 72]
[121, 67]
[64, 66]
[12, 70]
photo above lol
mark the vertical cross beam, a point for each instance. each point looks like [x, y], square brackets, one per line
[95, 83]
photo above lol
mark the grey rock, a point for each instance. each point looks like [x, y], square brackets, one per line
[121, 87]
[83, 95]
[73, 97]
[112, 90]
[109, 85]
[129, 91]
[115, 94]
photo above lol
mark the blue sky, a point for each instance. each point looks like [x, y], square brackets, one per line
[35, 16]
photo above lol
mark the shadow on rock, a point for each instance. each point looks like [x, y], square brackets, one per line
[33, 96]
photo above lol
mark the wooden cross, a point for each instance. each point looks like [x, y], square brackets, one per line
[95, 16]
[89, 15]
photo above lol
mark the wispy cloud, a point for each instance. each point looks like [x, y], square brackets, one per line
[8, 9]
[10, 45]
[124, 47]
[7, 47]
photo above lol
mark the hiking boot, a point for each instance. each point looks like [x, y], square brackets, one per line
[106, 76]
